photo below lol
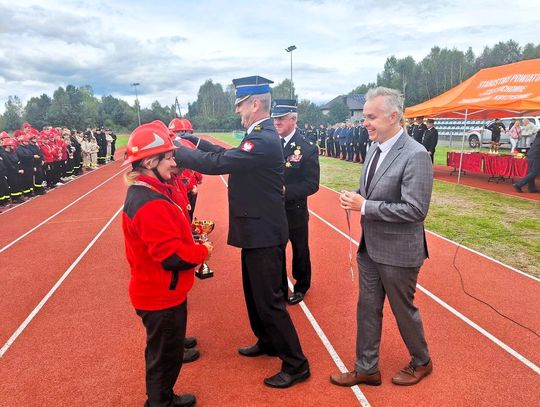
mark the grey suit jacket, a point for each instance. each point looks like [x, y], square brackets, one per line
[397, 204]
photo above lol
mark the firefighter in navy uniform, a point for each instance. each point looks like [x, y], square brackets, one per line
[301, 180]
[4, 186]
[14, 170]
[257, 224]
[26, 160]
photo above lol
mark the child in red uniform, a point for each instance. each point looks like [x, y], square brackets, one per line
[162, 256]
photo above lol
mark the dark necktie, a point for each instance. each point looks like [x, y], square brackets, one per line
[373, 167]
[283, 143]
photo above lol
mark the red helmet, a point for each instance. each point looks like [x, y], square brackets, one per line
[187, 125]
[148, 140]
[177, 124]
[9, 142]
[4, 135]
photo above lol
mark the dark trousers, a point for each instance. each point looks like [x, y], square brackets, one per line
[330, 150]
[265, 288]
[27, 181]
[350, 152]
[363, 148]
[356, 150]
[192, 202]
[4, 190]
[532, 173]
[378, 281]
[38, 180]
[337, 149]
[298, 219]
[113, 150]
[165, 333]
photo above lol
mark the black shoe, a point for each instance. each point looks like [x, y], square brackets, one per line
[283, 380]
[190, 342]
[184, 400]
[517, 187]
[295, 298]
[191, 355]
[255, 350]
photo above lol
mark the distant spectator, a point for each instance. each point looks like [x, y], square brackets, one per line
[533, 157]
[496, 128]
[431, 138]
[527, 131]
[419, 129]
[515, 135]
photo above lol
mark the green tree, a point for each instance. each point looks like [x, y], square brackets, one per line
[13, 115]
[339, 112]
[36, 110]
[283, 90]
[530, 51]
[362, 89]
[309, 112]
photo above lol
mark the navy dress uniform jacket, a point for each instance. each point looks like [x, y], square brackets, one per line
[301, 173]
[257, 216]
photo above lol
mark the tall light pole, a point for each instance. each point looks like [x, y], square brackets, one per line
[135, 84]
[290, 50]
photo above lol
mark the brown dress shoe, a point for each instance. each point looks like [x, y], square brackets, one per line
[410, 374]
[353, 378]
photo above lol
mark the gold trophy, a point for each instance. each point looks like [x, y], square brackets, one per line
[201, 230]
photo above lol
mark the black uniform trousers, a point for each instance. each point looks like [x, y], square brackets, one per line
[298, 219]
[165, 333]
[4, 190]
[330, 150]
[337, 148]
[265, 288]
[27, 181]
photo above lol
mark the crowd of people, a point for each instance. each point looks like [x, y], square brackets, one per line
[33, 161]
[349, 141]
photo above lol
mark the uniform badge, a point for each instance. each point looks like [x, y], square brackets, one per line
[257, 128]
[288, 164]
[247, 146]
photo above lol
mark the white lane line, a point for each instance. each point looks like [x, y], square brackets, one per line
[455, 312]
[56, 189]
[325, 341]
[31, 316]
[328, 345]
[59, 212]
[469, 249]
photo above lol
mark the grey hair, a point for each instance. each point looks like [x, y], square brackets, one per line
[394, 100]
[265, 100]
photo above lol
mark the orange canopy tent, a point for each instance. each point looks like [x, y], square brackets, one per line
[507, 90]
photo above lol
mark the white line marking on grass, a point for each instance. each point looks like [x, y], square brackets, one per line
[455, 312]
[325, 341]
[472, 250]
[59, 212]
[30, 317]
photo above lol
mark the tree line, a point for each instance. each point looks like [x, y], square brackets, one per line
[440, 70]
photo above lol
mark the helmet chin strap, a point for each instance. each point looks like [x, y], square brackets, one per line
[155, 170]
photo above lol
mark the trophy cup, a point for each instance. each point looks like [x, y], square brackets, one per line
[201, 230]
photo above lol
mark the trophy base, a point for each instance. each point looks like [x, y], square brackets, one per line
[204, 272]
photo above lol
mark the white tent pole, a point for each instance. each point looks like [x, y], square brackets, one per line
[462, 145]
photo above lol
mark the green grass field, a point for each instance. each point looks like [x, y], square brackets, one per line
[503, 227]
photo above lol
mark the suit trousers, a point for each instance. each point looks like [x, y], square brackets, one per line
[265, 288]
[298, 219]
[165, 333]
[399, 284]
[532, 173]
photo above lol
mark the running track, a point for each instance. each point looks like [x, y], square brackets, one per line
[85, 344]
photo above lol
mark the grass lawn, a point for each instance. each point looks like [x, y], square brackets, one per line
[121, 140]
[503, 227]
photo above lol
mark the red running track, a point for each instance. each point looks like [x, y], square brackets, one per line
[85, 345]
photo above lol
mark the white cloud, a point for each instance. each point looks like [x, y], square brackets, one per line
[172, 47]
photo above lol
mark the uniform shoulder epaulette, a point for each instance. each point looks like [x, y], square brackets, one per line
[257, 128]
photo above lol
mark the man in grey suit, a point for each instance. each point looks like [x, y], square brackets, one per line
[393, 198]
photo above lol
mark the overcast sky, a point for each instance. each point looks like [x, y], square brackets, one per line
[172, 47]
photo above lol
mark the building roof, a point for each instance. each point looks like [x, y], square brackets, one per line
[353, 102]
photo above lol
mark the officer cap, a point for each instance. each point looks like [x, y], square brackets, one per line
[250, 85]
[282, 107]
[430, 121]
